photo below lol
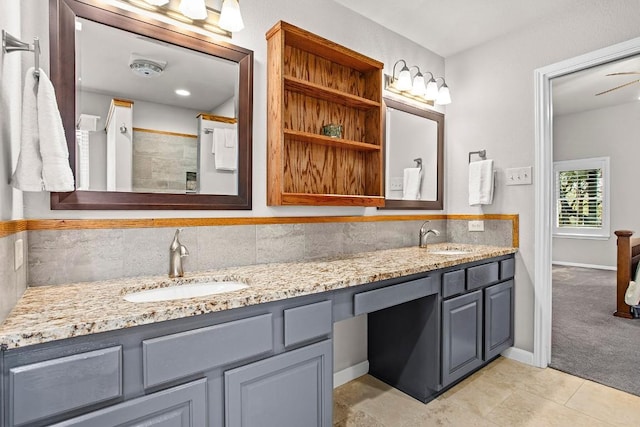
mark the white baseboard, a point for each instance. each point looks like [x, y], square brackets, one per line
[577, 264]
[350, 373]
[519, 355]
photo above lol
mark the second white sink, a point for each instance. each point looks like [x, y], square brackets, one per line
[190, 290]
[449, 252]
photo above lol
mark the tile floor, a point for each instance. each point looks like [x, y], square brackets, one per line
[504, 393]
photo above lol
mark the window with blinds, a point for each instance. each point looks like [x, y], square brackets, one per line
[581, 198]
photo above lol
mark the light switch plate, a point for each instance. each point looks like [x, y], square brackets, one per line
[476, 225]
[19, 254]
[519, 176]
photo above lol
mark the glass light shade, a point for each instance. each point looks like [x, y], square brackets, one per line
[230, 17]
[404, 79]
[444, 97]
[194, 9]
[432, 90]
[418, 88]
[157, 2]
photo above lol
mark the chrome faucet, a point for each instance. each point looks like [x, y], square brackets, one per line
[425, 234]
[176, 252]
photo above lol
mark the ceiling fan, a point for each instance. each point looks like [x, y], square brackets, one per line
[624, 85]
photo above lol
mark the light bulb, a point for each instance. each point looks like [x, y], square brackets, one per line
[432, 90]
[194, 9]
[230, 17]
[418, 88]
[404, 79]
[444, 97]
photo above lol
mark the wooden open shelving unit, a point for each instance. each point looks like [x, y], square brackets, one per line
[313, 82]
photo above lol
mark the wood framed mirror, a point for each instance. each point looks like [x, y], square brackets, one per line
[413, 133]
[65, 18]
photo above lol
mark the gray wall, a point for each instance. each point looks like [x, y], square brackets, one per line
[603, 132]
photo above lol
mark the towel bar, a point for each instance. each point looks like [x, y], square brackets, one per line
[12, 44]
[481, 153]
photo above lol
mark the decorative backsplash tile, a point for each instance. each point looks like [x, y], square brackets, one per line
[13, 283]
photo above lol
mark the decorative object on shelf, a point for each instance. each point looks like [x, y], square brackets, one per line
[333, 130]
[414, 87]
[313, 81]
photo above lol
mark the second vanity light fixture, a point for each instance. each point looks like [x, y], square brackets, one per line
[415, 87]
[230, 17]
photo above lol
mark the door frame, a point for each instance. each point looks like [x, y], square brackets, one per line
[544, 183]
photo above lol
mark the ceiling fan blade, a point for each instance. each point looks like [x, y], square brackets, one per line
[618, 87]
[623, 73]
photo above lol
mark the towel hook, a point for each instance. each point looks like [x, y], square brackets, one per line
[13, 44]
[418, 162]
[481, 153]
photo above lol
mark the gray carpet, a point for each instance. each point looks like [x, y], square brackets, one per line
[587, 340]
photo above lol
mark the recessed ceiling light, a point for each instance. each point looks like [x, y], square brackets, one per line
[182, 92]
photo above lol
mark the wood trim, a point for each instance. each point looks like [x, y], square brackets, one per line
[8, 228]
[164, 132]
[87, 224]
[122, 103]
[623, 275]
[214, 118]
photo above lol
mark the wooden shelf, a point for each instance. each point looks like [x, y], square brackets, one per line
[329, 141]
[328, 94]
[313, 82]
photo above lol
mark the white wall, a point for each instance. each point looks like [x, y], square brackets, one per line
[493, 108]
[613, 132]
[226, 109]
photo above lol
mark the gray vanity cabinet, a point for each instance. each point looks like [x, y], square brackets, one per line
[461, 336]
[292, 389]
[498, 319]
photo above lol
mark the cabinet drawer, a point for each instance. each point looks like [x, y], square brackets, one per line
[507, 268]
[482, 275]
[453, 283]
[307, 322]
[179, 355]
[42, 390]
[366, 302]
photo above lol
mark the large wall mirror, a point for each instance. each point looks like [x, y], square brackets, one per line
[155, 117]
[414, 157]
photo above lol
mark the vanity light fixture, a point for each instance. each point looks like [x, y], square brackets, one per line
[230, 17]
[414, 87]
[157, 2]
[194, 9]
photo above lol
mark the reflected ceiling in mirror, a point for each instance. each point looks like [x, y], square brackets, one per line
[163, 120]
[414, 157]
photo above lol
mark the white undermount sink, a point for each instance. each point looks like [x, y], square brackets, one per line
[190, 290]
[449, 252]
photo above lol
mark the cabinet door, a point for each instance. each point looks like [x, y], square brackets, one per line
[461, 336]
[292, 389]
[182, 406]
[498, 319]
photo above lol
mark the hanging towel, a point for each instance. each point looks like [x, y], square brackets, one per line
[56, 172]
[632, 296]
[226, 150]
[481, 182]
[43, 162]
[218, 139]
[411, 184]
[28, 173]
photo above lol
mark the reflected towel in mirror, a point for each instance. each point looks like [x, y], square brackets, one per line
[411, 184]
[225, 143]
[481, 182]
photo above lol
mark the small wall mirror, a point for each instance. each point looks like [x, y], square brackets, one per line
[161, 119]
[414, 157]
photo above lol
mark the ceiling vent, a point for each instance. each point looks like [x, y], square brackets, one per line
[145, 67]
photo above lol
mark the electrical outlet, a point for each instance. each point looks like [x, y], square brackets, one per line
[395, 184]
[519, 176]
[19, 254]
[476, 225]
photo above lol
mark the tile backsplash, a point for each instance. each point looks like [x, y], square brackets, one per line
[12, 283]
[67, 256]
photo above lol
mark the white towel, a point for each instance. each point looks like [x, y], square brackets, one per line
[218, 139]
[28, 173]
[43, 163]
[411, 184]
[632, 296]
[481, 182]
[226, 150]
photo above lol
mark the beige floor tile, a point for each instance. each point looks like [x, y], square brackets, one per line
[479, 396]
[553, 385]
[526, 409]
[340, 411]
[447, 413]
[606, 403]
[359, 419]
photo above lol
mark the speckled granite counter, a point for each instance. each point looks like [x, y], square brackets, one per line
[50, 313]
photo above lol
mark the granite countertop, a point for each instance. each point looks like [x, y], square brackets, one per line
[48, 313]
